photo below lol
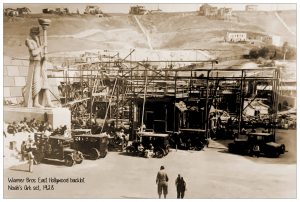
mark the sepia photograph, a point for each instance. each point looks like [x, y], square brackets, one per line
[149, 100]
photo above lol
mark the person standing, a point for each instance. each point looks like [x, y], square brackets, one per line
[180, 186]
[30, 160]
[162, 182]
[256, 150]
[23, 150]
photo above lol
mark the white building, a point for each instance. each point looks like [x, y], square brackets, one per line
[251, 8]
[273, 40]
[235, 36]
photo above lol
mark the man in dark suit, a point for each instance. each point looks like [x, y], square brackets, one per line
[180, 186]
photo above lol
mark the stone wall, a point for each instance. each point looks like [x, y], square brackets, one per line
[15, 73]
[14, 78]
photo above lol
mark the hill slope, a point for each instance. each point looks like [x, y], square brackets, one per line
[166, 31]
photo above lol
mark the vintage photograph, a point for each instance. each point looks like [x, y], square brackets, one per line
[149, 101]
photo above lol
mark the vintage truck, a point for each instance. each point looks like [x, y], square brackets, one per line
[265, 141]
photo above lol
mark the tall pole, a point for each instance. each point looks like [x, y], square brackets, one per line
[131, 97]
[145, 92]
[174, 111]
[206, 106]
[241, 102]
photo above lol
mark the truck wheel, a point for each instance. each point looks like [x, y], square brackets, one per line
[276, 154]
[39, 157]
[159, 153]
[167, 150]
[249, 152]
[94, 154]
[78, 158]
[129, 149]
[69, 161]
[282, 148]
[103, 154]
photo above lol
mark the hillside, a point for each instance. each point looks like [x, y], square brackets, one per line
[172, 31]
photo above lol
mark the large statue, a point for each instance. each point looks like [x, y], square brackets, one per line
[37, 93]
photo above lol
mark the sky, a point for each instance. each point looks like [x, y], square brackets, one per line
[124, 8]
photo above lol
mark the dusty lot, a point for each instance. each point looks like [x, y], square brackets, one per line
[212, 173]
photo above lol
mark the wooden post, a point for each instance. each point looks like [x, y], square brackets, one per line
[206, 106]
[174, 109]
[241, 102]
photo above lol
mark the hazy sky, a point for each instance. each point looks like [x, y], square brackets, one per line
[124, 8]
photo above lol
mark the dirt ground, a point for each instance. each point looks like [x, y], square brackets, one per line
[212, 173]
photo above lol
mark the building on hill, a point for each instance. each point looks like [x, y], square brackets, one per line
[48, 10]
[23, 11]
[236, 37]
[272, 40]
[225, 13]
[251, 7]
[213, 12]
[208, 10]
[62, 11]
[137, 10]
[11, 12]
[94, 10]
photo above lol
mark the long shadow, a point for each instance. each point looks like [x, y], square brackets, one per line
[134, 197]
[21, 167]
[130, 154]
[53, 162]
[262, 158]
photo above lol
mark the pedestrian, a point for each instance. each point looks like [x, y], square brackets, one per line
[256, 150]
[23, 150]
[162, 182]
[180, 186]
[30, 160]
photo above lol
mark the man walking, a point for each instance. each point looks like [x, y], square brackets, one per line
[162, 182]
[180, 186]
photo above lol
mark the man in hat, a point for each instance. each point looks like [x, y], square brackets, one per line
[36, 88]
[162, 182]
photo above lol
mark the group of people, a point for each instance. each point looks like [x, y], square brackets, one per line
[162, 184]
[26, 125]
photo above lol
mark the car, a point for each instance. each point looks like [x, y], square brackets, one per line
[156, 142]
[56, 147]
[93, 146]
[191, 139]
[265, 141]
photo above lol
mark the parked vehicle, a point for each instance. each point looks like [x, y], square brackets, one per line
[265, 141]
[56, 148]
[150, 141]
[191, 139]
[92, 146]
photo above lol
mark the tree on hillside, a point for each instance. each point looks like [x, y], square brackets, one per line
[288, 51]
[273, 52]
[263, 52]
[285, 47]
[253, 54]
